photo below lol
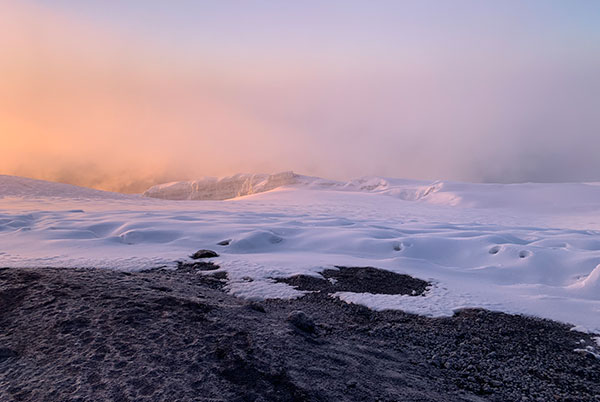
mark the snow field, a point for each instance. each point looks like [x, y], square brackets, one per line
[531, 248]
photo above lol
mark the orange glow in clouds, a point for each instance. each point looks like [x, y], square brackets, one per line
[123, 95]
[83, 106]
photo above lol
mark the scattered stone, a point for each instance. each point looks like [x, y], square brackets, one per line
[256, 306]
[203, 254]
[221, 275]
[6, 353]
[435, 361]
[196, 266]
[300, 320]
[161, 288]
[224, 242]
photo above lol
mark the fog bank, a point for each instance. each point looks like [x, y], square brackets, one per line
[87, 101]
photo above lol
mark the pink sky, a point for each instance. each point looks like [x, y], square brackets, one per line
[123, 96]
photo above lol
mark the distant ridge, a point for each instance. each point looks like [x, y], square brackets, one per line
[538, 197]
[212, 188]
[534, 197]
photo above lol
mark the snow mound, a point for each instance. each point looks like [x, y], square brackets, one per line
[590, 284]
[255, 241]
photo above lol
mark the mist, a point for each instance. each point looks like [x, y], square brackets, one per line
[93, 104]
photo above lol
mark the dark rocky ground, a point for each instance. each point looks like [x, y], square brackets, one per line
[359, 280]
[93, 335]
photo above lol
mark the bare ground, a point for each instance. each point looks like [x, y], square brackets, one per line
[167, 335]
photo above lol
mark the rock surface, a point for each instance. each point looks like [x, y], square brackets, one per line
[300, 320]
[359, 280]
[162, 335]
[203, 254]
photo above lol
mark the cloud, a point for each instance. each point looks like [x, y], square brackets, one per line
[84, 104]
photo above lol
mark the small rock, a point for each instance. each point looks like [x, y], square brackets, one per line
[224, 242]
[435, 361]
[203, 254]
[221, 275]
[6, 353]
[486, 389]
[256, 307]
[301, 321]
[193, 267]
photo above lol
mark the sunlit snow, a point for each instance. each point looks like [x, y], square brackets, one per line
[519, 248]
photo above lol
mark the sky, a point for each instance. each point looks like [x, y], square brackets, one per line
[122, 95]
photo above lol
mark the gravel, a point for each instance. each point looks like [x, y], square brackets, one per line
[164, 335]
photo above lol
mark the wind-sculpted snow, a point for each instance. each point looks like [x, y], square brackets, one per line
[528, 248]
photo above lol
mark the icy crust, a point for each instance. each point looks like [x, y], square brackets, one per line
[491, 246]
